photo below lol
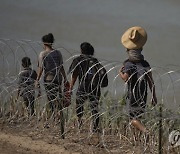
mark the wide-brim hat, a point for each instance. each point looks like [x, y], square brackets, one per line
[134, 38]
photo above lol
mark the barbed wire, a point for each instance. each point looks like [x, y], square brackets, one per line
[116, 135]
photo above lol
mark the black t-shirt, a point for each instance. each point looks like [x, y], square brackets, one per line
[26, 81]
[80, 66]
[138, 74]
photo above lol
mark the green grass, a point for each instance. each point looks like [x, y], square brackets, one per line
[114, 123]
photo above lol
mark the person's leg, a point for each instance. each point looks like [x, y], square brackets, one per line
[60, 99]
[30, 97]
[136, 115]
[95, 114]
[137, 124]
[26, 103]
[80, 99]
[136, 110]
[29, 104]
[94, 102]
[51, 92]
[60, 114]
[32, 105]
[137, 104]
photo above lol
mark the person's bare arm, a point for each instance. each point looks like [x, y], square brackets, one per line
[63, 74]
[152, 88]
[40, 67]
[39, 73]
[73, 80]
[37, 84]
[124, 76]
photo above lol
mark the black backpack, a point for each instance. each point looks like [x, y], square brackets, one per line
[96, 74]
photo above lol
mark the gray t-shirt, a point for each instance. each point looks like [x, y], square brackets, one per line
[51, 62]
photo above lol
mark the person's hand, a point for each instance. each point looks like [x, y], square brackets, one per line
[68, 87]
[66, 83]
[121, 71]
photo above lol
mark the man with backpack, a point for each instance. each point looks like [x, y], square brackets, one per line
[136, 72]
[92, 77]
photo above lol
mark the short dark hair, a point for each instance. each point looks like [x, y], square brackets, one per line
[49, 39]
[87, 48]
[26, 62]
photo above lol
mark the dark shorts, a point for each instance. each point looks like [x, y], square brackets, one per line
[93, 97]
[29, 98]
[137, 107]
[82, 96]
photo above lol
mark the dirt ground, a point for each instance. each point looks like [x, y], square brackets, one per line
[13, 144]
[31, 137]
[28, 137]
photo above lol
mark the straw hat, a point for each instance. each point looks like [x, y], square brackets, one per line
[134, 38]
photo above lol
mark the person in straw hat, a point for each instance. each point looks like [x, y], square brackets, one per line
[136, 72]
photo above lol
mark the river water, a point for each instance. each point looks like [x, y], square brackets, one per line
[101, 22]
